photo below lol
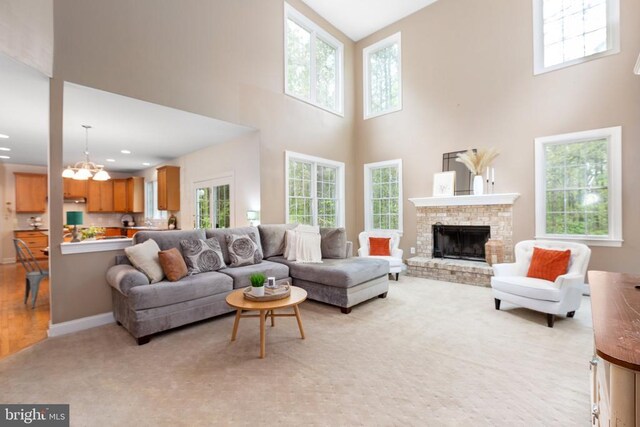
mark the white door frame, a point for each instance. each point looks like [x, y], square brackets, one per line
[226, 178]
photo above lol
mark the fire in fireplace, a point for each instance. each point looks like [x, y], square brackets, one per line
[460, 241]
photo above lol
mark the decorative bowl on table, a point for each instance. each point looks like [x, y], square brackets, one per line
[281, 291]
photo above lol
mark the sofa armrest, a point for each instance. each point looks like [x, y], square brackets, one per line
[123, 277]
[568, 280]
[349, 250]
[506, 269]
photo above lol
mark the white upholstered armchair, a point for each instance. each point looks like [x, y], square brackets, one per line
[562, 297]
[395, 258]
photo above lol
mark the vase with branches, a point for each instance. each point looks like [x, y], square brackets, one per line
[477, 162]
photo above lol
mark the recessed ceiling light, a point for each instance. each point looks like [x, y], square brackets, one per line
[3, 136]
[5, 149]
[110, 160]
[125, 151]
[99, 166]
[146, 164]
[5, 157]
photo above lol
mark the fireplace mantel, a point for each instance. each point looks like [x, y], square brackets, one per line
[481, 200]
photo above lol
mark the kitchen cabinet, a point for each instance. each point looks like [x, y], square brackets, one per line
[131, 232]
[135, 194]
[120, 195]
[113, 231]
[74, 188]
[100, 196]
[31, 192]
[169, 188]
[36, 241]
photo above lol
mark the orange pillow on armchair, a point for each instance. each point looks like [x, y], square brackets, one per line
[548, 264]
[379, 246]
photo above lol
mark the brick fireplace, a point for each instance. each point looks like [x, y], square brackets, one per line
[493, 210]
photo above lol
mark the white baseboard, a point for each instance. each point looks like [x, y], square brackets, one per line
[55, 330]
[9, 260]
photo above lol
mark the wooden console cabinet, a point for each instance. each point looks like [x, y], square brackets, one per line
[31, 192]
[169, 188]
[615, 367]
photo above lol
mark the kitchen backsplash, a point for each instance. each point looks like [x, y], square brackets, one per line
[109, 219]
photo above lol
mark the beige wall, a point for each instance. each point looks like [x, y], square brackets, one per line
[26, 32]
[222, 59]
[468, 82]
[11, 220]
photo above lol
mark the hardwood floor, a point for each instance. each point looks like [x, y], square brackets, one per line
[20, 325]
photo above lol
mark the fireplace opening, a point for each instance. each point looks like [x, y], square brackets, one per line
[460, 241]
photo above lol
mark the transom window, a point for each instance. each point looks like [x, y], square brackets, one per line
[568, 32]
[382, 77]
[578, 187]
[313, 63]
[383, 195]
[315, 190]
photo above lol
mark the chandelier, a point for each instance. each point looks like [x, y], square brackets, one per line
[86, 169]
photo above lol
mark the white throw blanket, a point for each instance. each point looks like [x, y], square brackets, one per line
[303, 244]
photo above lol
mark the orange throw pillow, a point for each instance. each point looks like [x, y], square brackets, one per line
[548, 264]
[379, 246]
[173, 264]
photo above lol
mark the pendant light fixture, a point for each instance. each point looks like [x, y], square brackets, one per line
[86, 169]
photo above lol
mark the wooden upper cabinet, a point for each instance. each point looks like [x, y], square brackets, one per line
[74, 189]
[100, 196]
[135, 194]
[169, 188]
[31, 192]
[120, 195]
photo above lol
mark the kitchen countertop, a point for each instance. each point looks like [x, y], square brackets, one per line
[30, 229]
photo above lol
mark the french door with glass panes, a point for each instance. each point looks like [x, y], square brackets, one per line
[213, 203]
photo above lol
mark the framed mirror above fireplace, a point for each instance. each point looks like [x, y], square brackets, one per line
[464, 179]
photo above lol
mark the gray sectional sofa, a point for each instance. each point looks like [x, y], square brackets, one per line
[144, 309]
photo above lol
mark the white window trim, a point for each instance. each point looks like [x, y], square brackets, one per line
[614, 137]
[224, 178]
[340, 181]
[317, 31]
[613, 38]
[368, 213]
[394, 38]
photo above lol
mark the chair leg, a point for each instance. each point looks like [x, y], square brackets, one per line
[550, 319]
[571, 314]
[497, 303]
[35, 286]
[27, 287]
[397, 275]
[384, 295]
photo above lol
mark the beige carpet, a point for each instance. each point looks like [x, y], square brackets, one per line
[431, 354]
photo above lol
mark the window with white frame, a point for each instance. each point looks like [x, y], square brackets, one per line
[382, 77]
[314, 191]
[578, 187]
[313, 63]
[383, 195]
[151, 201]
[567, 32]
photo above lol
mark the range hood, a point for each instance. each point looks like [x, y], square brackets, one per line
[75, 200]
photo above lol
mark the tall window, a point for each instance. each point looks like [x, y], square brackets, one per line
[568, 32]
[213, 203]
[315, 190]
[151, 201]
[383, 77]
[383, 195]
[313, 63]
[578, 187]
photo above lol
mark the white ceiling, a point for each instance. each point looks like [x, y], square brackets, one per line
[361, 18]
[153, 133]
[24, 113]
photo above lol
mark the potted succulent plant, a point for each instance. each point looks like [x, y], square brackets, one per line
[257, 284]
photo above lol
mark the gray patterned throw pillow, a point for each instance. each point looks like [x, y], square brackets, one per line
[202, 255]
[243, 250]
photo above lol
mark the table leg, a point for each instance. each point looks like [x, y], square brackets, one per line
[235, 325]
[297, 310]
[263, 315]
[273, 319]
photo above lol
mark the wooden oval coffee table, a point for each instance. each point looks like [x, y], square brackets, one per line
[237, 300]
